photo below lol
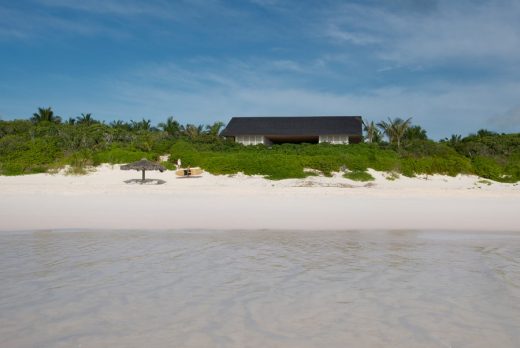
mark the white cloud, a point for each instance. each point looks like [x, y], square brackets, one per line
[356, 38]
[164, 9]
[17, 24]
[225, 89]
[442, 108]
[287, 65]
[266, 3]
[115, 7]
[508, 121]
[113, 18]
[309, 76]
[463, 30]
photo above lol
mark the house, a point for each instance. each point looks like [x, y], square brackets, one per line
[309, 129]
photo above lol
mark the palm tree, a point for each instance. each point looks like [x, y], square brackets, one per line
[171, 126]
[395, 129]
[386, 128]
[373, 134]
[45, 115]
[415, 133]
[142, 125]
[214, 129]
[192, 131]
[485, 133]
[119, 124]
[454, 140]
[86, 119]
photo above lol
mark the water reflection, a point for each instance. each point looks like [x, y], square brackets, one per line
[257, 289]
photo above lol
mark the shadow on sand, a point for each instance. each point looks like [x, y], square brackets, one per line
[145, 182]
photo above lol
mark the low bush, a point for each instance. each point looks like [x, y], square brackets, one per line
[79, 162]
[358, 175]
[117, 155]
[27, 157]
[488, 168]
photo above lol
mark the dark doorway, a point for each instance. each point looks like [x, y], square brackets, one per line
[292, 139]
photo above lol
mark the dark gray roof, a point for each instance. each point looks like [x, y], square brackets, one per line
[308, 125]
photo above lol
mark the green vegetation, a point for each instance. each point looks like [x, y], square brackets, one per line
[45, 143]
[358, 175]
[395, 129]
[392, 176]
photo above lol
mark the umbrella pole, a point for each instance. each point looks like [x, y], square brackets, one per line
[143, 174]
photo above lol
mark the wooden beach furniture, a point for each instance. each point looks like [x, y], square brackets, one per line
[188, 172]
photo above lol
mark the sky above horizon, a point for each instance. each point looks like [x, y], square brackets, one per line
[454, 66]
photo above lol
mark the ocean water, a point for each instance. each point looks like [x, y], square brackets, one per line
[259, 289]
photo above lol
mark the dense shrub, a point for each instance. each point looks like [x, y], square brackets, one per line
[358, 175]
[120, 155]
[282, 161]
[26, 157]
[490, 145]
[512, 168]
[487, 168]
[450, 165]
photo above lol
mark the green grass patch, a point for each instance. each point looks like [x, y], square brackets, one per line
[118, 155]
[392, 176]
[358, 175]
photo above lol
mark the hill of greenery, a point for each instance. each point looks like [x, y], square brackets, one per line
[45, 144]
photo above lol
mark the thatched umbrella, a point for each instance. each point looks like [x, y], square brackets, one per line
[143, 165]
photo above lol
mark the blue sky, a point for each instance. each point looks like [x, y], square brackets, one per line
[454, 66]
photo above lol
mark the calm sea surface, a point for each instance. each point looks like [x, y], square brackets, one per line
[259, 289]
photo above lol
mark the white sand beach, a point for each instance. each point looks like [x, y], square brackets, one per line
[139, 278]
[101, 200]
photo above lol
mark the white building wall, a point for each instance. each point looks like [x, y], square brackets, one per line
[334, 139]
[250, 139]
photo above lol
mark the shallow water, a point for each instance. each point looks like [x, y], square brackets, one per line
[259, 289]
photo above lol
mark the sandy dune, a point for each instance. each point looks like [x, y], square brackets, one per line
[101, 200]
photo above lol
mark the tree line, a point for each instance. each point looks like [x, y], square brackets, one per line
[395, 130]
[171, 126]
[45, 141]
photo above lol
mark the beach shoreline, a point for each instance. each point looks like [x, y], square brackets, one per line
[102, 201]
